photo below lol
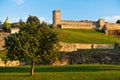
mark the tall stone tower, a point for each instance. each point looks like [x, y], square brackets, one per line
[101, 23]
[56, 17]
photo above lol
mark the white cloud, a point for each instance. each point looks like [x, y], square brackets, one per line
[19, 2]
[112, 19]
[24, 18]
[17, 19]
[44, 19]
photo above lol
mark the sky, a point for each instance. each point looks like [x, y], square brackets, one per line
[70, 9]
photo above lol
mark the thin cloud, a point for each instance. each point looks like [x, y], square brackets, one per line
[44, 19]
[112, 19]
[19, 2]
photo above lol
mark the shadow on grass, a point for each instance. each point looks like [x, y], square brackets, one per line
[15, 75]
[59, 69]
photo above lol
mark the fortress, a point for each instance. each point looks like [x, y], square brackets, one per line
[108, 28]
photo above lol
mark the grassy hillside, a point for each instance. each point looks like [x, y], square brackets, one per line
[85, 36]
[70, 72]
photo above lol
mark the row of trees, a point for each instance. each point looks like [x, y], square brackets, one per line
[35, 42]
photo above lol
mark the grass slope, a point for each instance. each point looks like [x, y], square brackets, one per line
[71, 72]
[85, 36]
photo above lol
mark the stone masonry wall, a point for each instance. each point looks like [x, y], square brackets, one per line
[112, 26]
[9, 63]
[97, 56]
[69, 47]
[76, 24]
[2, 36]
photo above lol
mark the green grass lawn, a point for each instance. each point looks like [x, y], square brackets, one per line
[69, 72]
[85, 36]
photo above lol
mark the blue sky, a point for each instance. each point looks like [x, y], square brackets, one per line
[70, 9]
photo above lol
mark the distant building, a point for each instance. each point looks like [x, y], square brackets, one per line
[14, 30]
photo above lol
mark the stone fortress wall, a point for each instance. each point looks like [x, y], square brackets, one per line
[2, 41]
[100, 24]
[70, 23]
[70, 47]
[76, 24]
[112, 26]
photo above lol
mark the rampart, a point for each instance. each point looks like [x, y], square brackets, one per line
[84, 24]
[112, 29]
[90, 56]
[112, 26]
[70, 47]
[76, 24]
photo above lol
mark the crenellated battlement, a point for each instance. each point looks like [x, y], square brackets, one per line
[84, 21]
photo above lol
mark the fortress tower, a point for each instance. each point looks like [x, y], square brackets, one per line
[56, 17]
[101, 23]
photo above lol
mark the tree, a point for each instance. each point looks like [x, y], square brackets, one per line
[6, 25]
[0, 24]
[33, 21]
[19, 24]
[22, 23]
[33, 43]
[118, 21]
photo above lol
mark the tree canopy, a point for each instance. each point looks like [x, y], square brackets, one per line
[6, 25]
[33, 21]
[118, 21]
[19, 24]
[34, 42]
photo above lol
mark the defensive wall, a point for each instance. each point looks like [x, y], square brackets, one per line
[111, 28]
[84, 24]
[89, 56]
[76, 24]
[70, 47]
[70, 23]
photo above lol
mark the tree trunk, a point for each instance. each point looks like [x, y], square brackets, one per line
[32, 68]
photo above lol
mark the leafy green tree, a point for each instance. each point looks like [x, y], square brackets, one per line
[6, 25]
[32, 43]
[19, 24]
[33, 21]
[22, 23]
[118, 21]
[0, 24]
